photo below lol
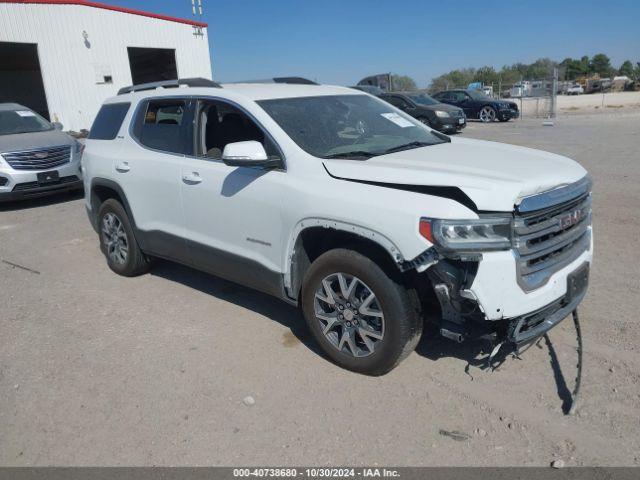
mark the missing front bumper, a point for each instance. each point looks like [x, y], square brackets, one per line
[462, 319]
[531, 326]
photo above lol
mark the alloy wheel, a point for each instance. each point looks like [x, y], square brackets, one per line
[487, 114]
[115, 238]
[349, 314]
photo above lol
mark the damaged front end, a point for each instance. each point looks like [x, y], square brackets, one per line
[462, 316]
[530, 267]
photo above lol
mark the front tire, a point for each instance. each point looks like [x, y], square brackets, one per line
[363, 319]
[117, 241]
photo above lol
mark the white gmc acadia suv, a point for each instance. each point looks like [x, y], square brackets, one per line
[333, 200]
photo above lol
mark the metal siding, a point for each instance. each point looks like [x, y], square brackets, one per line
[67, 65]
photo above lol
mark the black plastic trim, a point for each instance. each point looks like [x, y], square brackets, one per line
[235, 268]
[110, 184]
[452, 193]
[41, 191]
[208, 259]
[214, 261]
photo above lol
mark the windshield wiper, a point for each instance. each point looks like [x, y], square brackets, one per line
[356, 154]
[407, 146]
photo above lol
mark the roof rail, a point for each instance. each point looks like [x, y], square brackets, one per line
[189, 82]
[289, 80]
[295, 80]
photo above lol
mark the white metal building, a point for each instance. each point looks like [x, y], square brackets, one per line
[62, 58]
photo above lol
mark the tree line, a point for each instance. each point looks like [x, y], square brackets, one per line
[568, 69]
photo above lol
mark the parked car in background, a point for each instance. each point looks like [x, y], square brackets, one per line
[36, 157]
[437, 115]
[575, 89]
[370, 89]
[338, 203]
[478, 105]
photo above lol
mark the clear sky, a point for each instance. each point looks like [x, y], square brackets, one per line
[340, 42]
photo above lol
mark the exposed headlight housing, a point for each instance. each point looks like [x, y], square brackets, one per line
[483, 234]
[442, 114]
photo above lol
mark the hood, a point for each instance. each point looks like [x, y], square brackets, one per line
[34, 140]
[495, 176]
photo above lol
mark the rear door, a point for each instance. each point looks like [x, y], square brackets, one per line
[149, 170]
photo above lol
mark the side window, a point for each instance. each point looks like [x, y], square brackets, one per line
[163, 125]
[108, 121]
[220, 123]
[396, 101]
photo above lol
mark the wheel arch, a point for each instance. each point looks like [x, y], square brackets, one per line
[314, 236]
[103, 189]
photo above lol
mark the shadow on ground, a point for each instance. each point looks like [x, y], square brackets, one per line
[476, 354]
[432, 346]
[260, 303]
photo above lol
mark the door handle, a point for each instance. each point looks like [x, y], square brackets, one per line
[192, 178]
[123, 167]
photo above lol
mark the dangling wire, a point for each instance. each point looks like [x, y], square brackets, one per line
[576, 390]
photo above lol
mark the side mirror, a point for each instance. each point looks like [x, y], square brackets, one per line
[247, 154]
[57, 125]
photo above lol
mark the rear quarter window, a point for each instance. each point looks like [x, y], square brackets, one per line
[108, 121]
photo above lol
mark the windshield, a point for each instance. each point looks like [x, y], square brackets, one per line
[478, 95]
[423, 99]
[347, 126]
[22, 121]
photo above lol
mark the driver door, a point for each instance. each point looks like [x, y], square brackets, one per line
[232, 214]
[464, 101]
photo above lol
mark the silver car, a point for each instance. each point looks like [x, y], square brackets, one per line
[36, 158]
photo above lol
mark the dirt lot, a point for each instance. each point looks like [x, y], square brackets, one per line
[96, 369]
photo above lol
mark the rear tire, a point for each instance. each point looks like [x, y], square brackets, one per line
[487, 114]
[373, 322]
[118, 242]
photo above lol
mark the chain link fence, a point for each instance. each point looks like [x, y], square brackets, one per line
[535, 98]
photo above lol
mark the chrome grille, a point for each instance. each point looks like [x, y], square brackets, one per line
[40, 159]
[547, 240]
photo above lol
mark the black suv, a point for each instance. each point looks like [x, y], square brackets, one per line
[429, 111]
[478, 105]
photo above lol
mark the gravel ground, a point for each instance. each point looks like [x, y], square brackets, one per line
[97, 369]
